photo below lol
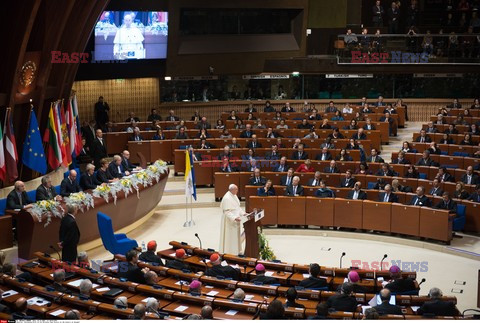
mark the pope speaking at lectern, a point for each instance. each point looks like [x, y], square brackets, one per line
[232, 219]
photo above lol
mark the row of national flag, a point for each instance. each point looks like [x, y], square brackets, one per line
[62, 137]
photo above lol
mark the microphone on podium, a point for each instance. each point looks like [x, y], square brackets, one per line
[381, 262]
[58, 253]
[341, 257]
[422, 281]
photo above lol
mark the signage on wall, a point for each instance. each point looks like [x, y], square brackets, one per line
[434, 75]
[266, 77]
[348, 76]
[195, 78]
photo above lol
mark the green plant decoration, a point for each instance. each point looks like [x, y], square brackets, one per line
[266, 253]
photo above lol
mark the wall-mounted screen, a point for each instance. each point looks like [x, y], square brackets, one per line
[123, 35]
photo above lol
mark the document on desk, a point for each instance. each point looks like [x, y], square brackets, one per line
[103, 289]
[306, 275]
[231, 312]
[76, 283]
[212, 293]
[57, 312]
[269, 273]
[181, 308]
[9, 293]
[37, 301]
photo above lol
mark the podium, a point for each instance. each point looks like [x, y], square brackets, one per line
[250, 227]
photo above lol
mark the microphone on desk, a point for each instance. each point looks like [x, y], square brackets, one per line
[181, 286]
[58, 253]
[257, 314]
[381, 261]
[245, 272]
[422, 281]
[341, 257]
[199, 240]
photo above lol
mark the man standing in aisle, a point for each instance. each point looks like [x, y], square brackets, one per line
[69, 235]
[101, 113]
[230, 228]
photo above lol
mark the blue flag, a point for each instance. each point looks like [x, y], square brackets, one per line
[33, 154]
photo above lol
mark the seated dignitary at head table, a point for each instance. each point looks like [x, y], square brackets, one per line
[178, 263]
[266, 190]
[150, 256]
[292, 299]
[397, 284]
[260, 277]
[46, 191]
[103, 175]
[388, 195]
[357, 193]
[88, 181]
[447, 203]
[126, 164]
[85, 289]
[70, 185]
[257, 179]
[436, 306]
[343, 301]
[313, 281]
[420, 199]
[130, 269]
[18, 198]
[294, 189]
[218, 270]
[324, 191]
[116, 169]
[385, 307]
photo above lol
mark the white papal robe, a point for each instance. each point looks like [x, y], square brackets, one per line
[230, 230]
[128, 43]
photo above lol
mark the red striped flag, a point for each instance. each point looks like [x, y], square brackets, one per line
[11, 156]
[51, 137]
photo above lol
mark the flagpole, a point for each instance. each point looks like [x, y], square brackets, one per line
[187, 223]
[191, 211]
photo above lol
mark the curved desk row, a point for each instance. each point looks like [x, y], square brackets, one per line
[34, 236]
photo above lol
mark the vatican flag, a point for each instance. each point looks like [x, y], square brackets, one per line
[190, 185]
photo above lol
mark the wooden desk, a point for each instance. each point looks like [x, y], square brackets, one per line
[291, 213]
[319, 211]
[405, 219]
[436, 224]
[348, 213]
[182, 309]
[376, 216]
[269, 204]
[226, 314]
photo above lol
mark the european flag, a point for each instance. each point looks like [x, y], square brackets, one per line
[33, 154]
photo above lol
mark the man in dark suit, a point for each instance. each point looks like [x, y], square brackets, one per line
[436, 190]
[88, 132]
[387, 308]
[99, 149]
[126, 164]
[18, 198]
[397, 283]
[58, 279]
[436, 306]
[475, 196]
[348, 180]
[385, 170]
[359, 135]
[254, 144]
[401, 159]
[266, 190]
[248, 132]
[454, 105]
[324, 155]
[178, 263]
[20, 313]
[282, 165]
[300, 154]
[357, 193]
[154, 116]
[130, 269]
[257, 179]
[136, 135]
[203, 124]
[388, 195]
[223, 271]
[115, 168]
[420, 199]
[369, 125]
[101, 112]
[45, 191]
[294, 189]
[171, 116]
[228, 167]
[292, 298]
[273, 154]
[132, 117]
[332, 168]
[314, 282]
[393, 14]
[447, 203]
[315, 181]
[260, 277]
[469, 177]
[250, 108]
[150, 256]
[287, 179]
[444, 176]
[344, 301]
[287, 108]
[374, 157]
[423, 137]
[377, 14]
[226, 153]
[69, 235]
[70, 185]
[426, 160]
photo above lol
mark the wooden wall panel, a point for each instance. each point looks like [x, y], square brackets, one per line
[123, 95]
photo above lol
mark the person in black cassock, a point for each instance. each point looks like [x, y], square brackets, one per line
[69, 235]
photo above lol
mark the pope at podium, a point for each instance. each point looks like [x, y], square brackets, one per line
[232, 218]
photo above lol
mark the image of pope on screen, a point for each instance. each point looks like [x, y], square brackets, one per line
[128, 42]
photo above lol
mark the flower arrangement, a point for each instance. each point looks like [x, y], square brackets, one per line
[47, 208]
[123, 185]
[102, 191]
[266, 253]
[83, 201]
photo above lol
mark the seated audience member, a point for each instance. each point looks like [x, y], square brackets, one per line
[151, 307]
[260, 277]
[312, 134]
[292, 298]
[470, 178]
[353, 278]
[228, 167]
[70, 185]
[324, 155]
[352, 144]
[397, 283]
[391, 123]
[348, 180]
[294, 189]
[159, 135]
[252, 164]
[238, 295]
[369, 125]
[282, 165]
[387, 308]
[325, 124]
[380, 184]
[288, 178]
[88, 181]
[420, 199]
[343, 156]
[116, 169]
[181, 134]
[452, 130]
[352, 126]
[321, 312]
[271, 133]
[436, 306]
[406, 147]
[436, 190]
[446, 140]
[475, 197]
[178, 263]
[447, 203]
[253, 143]
[154, 116]
[423, 137]
[83, 261]
[266, 190]
[195, 287]
[151, 278]
[327, 144]
[203, 124]
[275, 311]
[444, 176]
[385, 171]
[58, 279]
[225, 134]
[401, 160]
[313, 281]
[218, 270]
[305, 167]
[20, 312]
[139, 312]
[433, 149]
[336, 134]
[460, 191]
[411, 172]
[300, 154]
[247, 133]
[136, 135]
[304, 125]
[467, 140]
[282, 125]
[363, 169]
[360, 135]
[357, 193]
[268, 107]
[85, 289]
[324, 191]
[374, 157]
[196, 156]
[150, 256]
[431, 128]
[73, 315]
[397, 187]
[315, 181]
[171, 116]
[287, 108]
[207, 313]
[132, 117]
[130, 269]
[46, 191]
[426, 160]
[273, 154]
[257, 179]
[332, 168]
[338, 116]
[343, 301]
[388, 195]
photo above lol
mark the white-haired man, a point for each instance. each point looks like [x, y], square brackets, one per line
[230, 228]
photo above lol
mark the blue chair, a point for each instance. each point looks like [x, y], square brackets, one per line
[444, 153]
[460, 153]
[422, 175]
[370, 185]
[32, 195]
[337, 95]
[115, 243]
[324, 95]
[3, 206]
[460, 220]
[57, 189]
